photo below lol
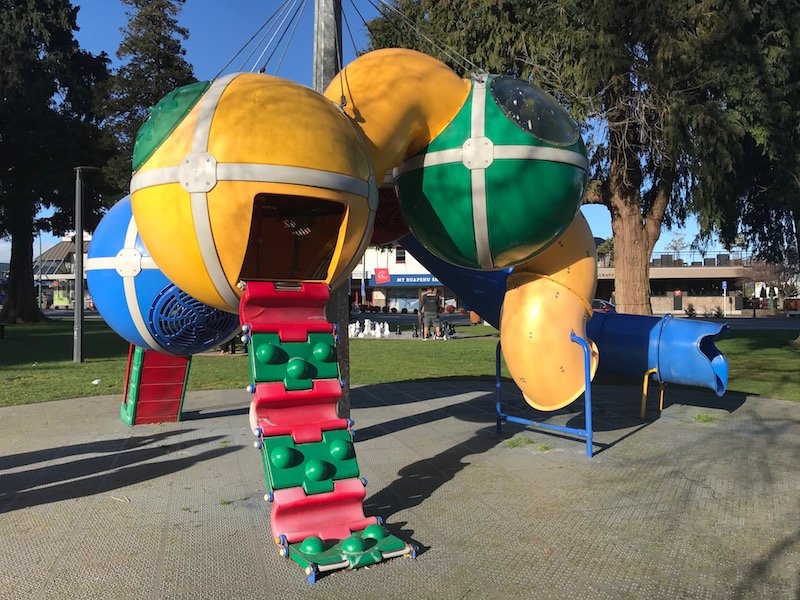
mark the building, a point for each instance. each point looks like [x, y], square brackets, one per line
[391, 278]
[711, 283]
[54, 274]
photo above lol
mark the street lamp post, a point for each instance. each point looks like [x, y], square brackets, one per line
[77, 348]
[40, 270]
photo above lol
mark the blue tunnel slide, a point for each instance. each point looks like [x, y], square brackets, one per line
[681, 350]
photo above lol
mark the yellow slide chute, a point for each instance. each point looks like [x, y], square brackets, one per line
[549, 297]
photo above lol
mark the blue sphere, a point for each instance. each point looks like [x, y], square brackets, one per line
[138, 301]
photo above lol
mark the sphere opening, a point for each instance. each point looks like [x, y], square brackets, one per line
[292, 238]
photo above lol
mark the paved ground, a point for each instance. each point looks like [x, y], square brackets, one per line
[675, 507]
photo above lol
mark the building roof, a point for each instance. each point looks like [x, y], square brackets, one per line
[53, 259]
[58, 252]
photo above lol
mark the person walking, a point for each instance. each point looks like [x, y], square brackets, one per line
[430, 313]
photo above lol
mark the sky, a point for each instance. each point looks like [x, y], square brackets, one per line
[218, 30]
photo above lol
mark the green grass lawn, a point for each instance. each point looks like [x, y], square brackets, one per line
[763, 363]
[36, 362]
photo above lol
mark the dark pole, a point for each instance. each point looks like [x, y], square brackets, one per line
[327, 42]
[327, 62]
[77, 348]
[40, 270]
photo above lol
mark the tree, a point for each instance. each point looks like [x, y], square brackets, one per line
[677, 244]
[673, 96]
[153, 65]
[765, 205]
[606, 247]
[461, 33]
[47, 126]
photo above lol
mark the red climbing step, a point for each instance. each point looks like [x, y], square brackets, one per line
[292, 310]
[303, 414]
[329, 516]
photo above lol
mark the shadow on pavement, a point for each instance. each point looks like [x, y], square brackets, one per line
[418, 481]
[478, 410]
[759, 572]
[196, 415]
[101, 446]
[96, 475]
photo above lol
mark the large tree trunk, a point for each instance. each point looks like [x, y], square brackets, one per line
[21, 304]
[632, 250]
[796, 220]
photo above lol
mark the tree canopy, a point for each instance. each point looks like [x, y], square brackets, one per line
[47, 127]
[152, 64]
[687, 107]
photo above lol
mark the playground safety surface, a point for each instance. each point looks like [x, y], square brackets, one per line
[702, 501]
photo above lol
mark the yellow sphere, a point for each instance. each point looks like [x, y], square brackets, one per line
[262, 180]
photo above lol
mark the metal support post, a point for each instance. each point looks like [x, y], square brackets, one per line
[327, 63]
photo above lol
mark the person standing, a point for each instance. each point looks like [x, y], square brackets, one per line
[430, 313]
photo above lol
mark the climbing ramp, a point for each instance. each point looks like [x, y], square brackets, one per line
[155, 386]
[313, 481]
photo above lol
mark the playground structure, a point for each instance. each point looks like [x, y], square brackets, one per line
[155, 387]
[257, 196]
[676, 351]
[138, 301]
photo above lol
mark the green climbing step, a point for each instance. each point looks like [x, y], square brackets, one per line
[296, 364]
[362, 549]
[313, 466]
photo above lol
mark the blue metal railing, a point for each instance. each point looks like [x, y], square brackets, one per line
[585, 433]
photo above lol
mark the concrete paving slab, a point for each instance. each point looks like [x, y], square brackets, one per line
[701, 501]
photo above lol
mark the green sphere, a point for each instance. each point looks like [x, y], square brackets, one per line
[312, 545]
[268, 353]
[316, 470]
[374, 532]
[353, 544]
[323, 352]
[297, 368]
[281, 457]
[341, 449]
[496, 186]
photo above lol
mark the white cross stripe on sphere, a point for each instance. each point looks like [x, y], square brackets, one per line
[128, 263]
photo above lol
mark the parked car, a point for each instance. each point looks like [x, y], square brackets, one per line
[599, 305]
